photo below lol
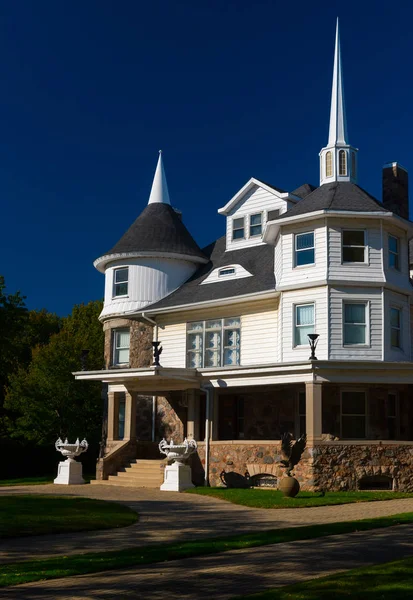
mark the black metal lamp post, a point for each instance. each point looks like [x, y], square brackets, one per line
[313, 340]
[157, 351]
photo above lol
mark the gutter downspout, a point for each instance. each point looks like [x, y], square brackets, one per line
[152, 323]
[207, 391]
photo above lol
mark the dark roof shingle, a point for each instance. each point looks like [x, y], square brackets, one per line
[304, 190]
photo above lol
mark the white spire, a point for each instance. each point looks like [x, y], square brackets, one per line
[338, 126]
[338, 160]
[159, 191]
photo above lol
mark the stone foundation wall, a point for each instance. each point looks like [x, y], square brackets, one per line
[141, 335]
[170, 418]
[144, 418]
[117, 454]
[340, 467]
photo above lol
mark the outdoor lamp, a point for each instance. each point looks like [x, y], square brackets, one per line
[313, 340]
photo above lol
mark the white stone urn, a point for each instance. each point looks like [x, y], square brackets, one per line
[177, 476]
[70, 471]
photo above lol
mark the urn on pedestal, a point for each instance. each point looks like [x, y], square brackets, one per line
[70, 471]
[177, 476]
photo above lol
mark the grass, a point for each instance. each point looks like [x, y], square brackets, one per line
[43, 480]
[387, 581]
[36, 514]
[94, 562]
[275, 498]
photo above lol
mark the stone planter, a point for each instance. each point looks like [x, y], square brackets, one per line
[289, 486]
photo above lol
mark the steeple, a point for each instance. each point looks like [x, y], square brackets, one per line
[159, 191]
[338, 160]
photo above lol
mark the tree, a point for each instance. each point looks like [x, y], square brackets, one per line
[44, 399]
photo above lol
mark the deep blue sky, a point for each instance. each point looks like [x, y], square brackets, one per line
[89, 91]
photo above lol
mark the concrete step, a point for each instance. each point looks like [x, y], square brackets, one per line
[127, 484]
[156, 467]
[138, 476]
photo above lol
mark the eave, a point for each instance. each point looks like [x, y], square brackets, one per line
[248, 186]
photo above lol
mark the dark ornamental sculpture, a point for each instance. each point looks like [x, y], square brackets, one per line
[292, 452]
[157, 351]
[313, 341]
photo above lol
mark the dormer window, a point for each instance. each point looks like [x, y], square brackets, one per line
[342, 163]
[120, 282]
[238, 229]
[329, 164]
[255, 224]
[226, 272]
[304, 249]
[354, 246]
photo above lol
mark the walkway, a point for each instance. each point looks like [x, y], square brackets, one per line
[168, 517]
[225, 575]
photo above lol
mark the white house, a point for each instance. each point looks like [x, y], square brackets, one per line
[233, 321]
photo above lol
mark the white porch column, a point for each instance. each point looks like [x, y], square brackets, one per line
[313, 411]
[193, 415]
[130, 416]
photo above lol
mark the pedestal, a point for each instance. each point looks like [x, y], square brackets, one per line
[69, 473]
[177, 478]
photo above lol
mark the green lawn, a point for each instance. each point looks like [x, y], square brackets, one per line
[36, 480]
[94, 562]
[275, 499]
[388, 581]
[35, 514]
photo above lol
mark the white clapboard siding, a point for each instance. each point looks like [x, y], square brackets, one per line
[278, 264]
[254, 201]
[372, 270]
[258, 331]
[292, 275]
[398, 277]
[372, 350]
[400, 301]
[259, 338]
[318, 296]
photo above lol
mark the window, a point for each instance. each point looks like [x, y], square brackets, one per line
[214, 343]
[226, 272]
[353, 415]
[329, 164]
[354, 246]
[395, 327]
[120, 281]
[355, 323]
[304, 323]
[353, 165]
[391, 413]
[255, 224]
[121, 416]
[121, 342]
[342, 162]
[238, 229]
[304, 249]
[394, 260]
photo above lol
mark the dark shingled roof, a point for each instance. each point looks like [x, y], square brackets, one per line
[257, 260]
[159, 229]
[336, 196]
[304, 190]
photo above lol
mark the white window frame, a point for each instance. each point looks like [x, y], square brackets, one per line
[329, 171]
[397, 254]
[221, 272]
[347, 262]
[295, 249]
[295, 306]
[223, 347]
[115, 348]
[240, 239]
[345, 170]
[348, 391]
[255, 235]
[399, 329]
[367, 323]
[114, 295]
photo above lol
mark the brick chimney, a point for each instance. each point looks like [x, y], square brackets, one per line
[396, 189]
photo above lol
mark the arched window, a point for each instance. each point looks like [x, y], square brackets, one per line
[353, 165]
[329, 165]
[342, 162]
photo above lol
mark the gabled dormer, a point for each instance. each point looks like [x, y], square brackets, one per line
[249, 210]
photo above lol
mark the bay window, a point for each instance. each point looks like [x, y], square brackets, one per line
[304, 323]
[395, 327]
[121, 344]
[304, 249]
[355, 323]
[394, 253]
[354, 246]
[214, 343]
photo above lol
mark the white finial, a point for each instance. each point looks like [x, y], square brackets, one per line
[159, 191]
[338, 126]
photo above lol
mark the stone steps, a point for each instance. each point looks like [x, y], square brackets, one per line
[141, 474]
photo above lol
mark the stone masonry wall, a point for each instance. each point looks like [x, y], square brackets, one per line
[141, 335]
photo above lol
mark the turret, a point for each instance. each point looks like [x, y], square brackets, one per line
[153, 258]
